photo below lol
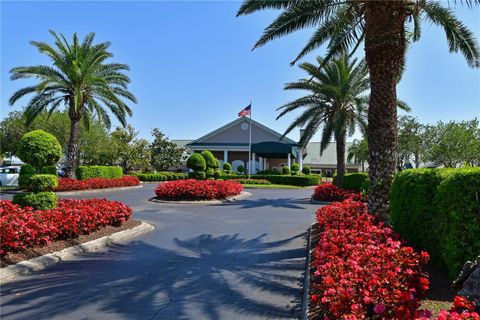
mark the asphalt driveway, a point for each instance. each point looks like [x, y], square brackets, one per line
[243, 260]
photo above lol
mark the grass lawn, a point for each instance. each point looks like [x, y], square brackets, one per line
[270, 186]
[8, 188]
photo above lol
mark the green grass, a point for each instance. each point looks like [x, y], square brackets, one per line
[271, 186]
[8, 188]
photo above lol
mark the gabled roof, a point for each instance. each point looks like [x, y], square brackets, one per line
[237, 121]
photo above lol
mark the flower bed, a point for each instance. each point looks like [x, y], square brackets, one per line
[68, 184]
[21, 228]
[361, 270]
[328, 192]
[192, 189]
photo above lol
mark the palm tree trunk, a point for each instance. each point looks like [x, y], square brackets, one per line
[363, 166]
[385, 51]
[340, 159]
[417, 160]
[73, 153]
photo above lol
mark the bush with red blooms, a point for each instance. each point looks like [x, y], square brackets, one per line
[462, 309]
[68, 184]
[21, 228]
[361, 268]
[329, 192]
[192, 189]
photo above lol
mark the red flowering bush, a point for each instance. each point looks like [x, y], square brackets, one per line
[462, 309]
[361, 268]
[329, 192]
[192, 189]
[68, 184]
[21, 228]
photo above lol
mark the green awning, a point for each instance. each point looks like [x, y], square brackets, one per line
[271, 149]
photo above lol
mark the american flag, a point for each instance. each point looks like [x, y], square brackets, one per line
[246, 111]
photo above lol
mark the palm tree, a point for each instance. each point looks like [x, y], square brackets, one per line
[358, 152]
[336, 100]
[386, 28]
[79, 79]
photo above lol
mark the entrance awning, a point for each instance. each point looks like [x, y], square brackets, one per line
[272, 149]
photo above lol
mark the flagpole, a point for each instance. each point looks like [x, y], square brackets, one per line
[250, 143]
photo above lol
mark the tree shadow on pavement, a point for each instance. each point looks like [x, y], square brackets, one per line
[203, 277]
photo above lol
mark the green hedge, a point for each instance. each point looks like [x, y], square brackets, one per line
[87, 172]
[48, 170]
[437, 210]
[253, 181]
[302, 181]
[199, 175]
[161, 176]
[39, 201]
[42, 182]
[357, 181]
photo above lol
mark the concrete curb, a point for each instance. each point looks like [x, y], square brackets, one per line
[12, 272]
[306, 283]
[242, 195]
[71, 193]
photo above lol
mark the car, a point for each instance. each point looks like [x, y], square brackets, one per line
[9, 176]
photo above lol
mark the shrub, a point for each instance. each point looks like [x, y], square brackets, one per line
[68, 184]
[227, 167]
[306, 170]
[240, 169]
[301, 181]
[437, 210]
[253, 181]
[329, 192]
[162, 176]
[87, 172]
[218, 174]
[285, 170]
[209, 172]
[199, 175]
[361, 269]
[295, 168]
[210, 161]
[197, 190]
[196, 162]
[42, 182]
[39, 200]
[39, 148]
[48, 170]
[27, 169]
[357, 181]
[26, 172]
[268, 172]
[22, 228]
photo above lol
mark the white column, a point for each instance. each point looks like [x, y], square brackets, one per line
[252, 163]
[300, 159]
[260, 164]
[225, 156]
[289, 163]
[265, 164]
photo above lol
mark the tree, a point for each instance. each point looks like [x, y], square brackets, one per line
[82, 81]
[130, 153]
[386, 28]
[453, 144]
[358, 152]
[336, 98]
[164, 152]
[410, 140]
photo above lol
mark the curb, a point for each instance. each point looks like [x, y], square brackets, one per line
[242, 195]
[12, 272]
[71, 193]
[306, 283]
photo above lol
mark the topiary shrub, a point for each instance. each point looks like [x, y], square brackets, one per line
[39, 201]
[48, 170]
[227, 167]
[196, 162]
[88, 172]
[285, 170]
[42, 182]
[26, 172]
[306, 170]
[210, 160]
[240, 169]
[295, 168]
[199, 175]
[210, 172]
[39, 148]
[357, 181]
[218, 174]
[438, 210]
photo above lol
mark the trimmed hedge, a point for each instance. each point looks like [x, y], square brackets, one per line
[301, 181]
[42, 182]
[196, 162]
[438, 210]
[39, 201]
[199, 175]
[87, 172]
[48, 170]
[26, 172]
[357, 181]
[306, 170]
[39, 148]
[285, 170]
[253, 181]
[161, 176]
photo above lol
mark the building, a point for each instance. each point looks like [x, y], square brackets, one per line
[230, 143]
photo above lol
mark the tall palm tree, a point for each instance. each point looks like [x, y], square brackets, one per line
[79, 79]
[336, 99]
[358, 152]
[386, 28]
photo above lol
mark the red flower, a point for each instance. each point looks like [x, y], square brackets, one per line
[68, 184]
[191, 189]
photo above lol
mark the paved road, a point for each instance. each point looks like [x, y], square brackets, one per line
[243, 260]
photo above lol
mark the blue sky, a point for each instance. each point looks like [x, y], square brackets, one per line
[192, 68]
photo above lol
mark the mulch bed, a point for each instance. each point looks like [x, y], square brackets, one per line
[439, 296]
[15, 257]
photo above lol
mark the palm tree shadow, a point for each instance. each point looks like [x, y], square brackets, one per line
[290, 203]
[202, 277]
